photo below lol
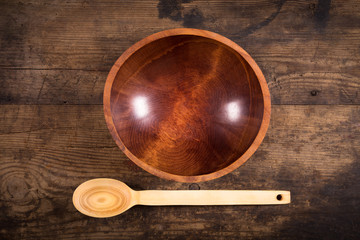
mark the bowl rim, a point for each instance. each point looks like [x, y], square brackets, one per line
[202, 33]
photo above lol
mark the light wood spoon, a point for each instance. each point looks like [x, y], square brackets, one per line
[105, 197]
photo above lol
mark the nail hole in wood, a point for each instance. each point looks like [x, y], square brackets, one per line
[279, 197]
[314, 92]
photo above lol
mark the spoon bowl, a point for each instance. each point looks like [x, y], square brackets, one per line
[104, 197]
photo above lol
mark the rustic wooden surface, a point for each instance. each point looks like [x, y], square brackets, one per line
[54, 59]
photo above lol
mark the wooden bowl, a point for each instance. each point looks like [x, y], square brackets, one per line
[187, 105]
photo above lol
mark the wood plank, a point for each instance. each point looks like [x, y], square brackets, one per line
[47, 150]
[308, 51]
[52, 86]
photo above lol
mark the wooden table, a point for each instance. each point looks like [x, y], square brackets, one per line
[54, 59]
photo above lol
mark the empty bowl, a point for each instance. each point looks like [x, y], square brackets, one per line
[187, 104]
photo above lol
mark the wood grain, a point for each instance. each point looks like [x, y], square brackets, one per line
[309, 52]
[187, 104]
[56, 53]
[46, 151]
[51, 86]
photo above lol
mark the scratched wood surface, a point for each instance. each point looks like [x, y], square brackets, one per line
[54, 58]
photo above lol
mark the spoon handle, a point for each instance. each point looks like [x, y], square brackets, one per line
[213, 197]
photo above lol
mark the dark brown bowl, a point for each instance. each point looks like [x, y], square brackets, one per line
[187, 104]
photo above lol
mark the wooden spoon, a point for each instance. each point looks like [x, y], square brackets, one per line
[104, 197]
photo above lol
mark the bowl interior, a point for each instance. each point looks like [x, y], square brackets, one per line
[186, 105]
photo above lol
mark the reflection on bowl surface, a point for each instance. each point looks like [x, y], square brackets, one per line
[186, 105]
